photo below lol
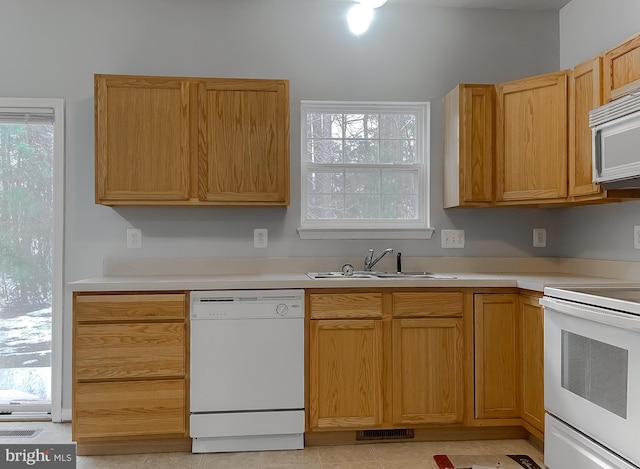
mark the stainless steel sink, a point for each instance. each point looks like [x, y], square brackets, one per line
[374, 275]
[358, 274]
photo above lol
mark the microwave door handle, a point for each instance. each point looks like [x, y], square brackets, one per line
[598, 151]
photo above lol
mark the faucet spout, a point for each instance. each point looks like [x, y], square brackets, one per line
[369, 261]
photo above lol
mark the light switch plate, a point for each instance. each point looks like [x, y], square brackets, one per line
[636, 237]
[452, 239]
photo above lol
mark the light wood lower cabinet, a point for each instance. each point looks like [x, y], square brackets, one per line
[346, 373]
[509, 359]
[497, 367]
[385, 359]
[428, 382]
[532, 346]
[130, 371]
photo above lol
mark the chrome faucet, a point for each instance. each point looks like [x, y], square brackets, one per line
[369, 261]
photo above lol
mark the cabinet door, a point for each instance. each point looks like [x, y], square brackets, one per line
[243, 142]
[531, 163]
[469, 145]
[345, 373]
[586, 94]
[532, 343]
[621, 69]
[142, 139]
[497, 367]
[427, 371]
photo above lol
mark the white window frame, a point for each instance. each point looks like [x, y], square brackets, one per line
[368, 229]
[57, 304]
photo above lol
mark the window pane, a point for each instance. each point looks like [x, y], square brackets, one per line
[361, 151]
[325, 207]
[400, 207]
[325, 182]
[361, 125]
[324, 151]
[398, 126]
[399, 182]
[362, 207]
[398, 151]
[320, 125]
[363, 181]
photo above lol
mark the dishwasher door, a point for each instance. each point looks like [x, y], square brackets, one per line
[248, 364]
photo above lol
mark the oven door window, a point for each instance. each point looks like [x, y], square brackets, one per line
[595, 371]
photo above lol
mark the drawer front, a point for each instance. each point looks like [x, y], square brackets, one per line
[427, 304]
[129, 408]
[129, 307]
[132, 350]
[345, 305]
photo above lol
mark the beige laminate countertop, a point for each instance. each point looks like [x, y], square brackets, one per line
[528, 281]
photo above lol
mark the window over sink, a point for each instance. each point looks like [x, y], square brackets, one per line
[365, 170]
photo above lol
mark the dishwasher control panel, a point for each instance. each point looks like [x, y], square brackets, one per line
[247, 304]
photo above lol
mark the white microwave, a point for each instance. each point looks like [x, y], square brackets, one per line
[615, 130]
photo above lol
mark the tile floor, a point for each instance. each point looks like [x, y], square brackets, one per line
[395, 455]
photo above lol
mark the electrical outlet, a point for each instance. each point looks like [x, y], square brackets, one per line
[636, 236]
[134, 238]
[260, 238]
[452, 239]
[539, 237]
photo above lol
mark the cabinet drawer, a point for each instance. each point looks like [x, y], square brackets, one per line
[129, 408]
[129, 307]
[345, 305]
[132, 350]
[427, 304]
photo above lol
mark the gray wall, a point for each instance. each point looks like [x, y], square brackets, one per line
[53, 48]
[587, 28]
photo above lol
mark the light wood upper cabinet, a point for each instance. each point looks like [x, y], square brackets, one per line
[428, 360]
[469, 146]
[345, 373]
[531, 140]
[532, 347]
[244, 141]
[621, 69]
[497, 368]
[142, 139]
[191, 141]
[585, 95]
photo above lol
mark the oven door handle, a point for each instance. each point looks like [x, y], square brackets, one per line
[592, 313]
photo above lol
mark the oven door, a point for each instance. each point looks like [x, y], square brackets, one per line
[592, 373]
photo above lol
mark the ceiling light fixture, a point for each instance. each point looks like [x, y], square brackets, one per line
[360, 15]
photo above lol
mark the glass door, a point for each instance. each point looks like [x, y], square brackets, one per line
[26, 258]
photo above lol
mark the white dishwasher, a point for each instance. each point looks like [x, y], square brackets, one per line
[247, 370]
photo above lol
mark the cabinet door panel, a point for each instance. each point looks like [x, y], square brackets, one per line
[586, 94]
[135, 350]
[427, 371]
[622, 69]
[244, 141]
[345, 373]
[142, 139]
[532, 342]
[130, 408]
[532, 139]
[496, 356]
